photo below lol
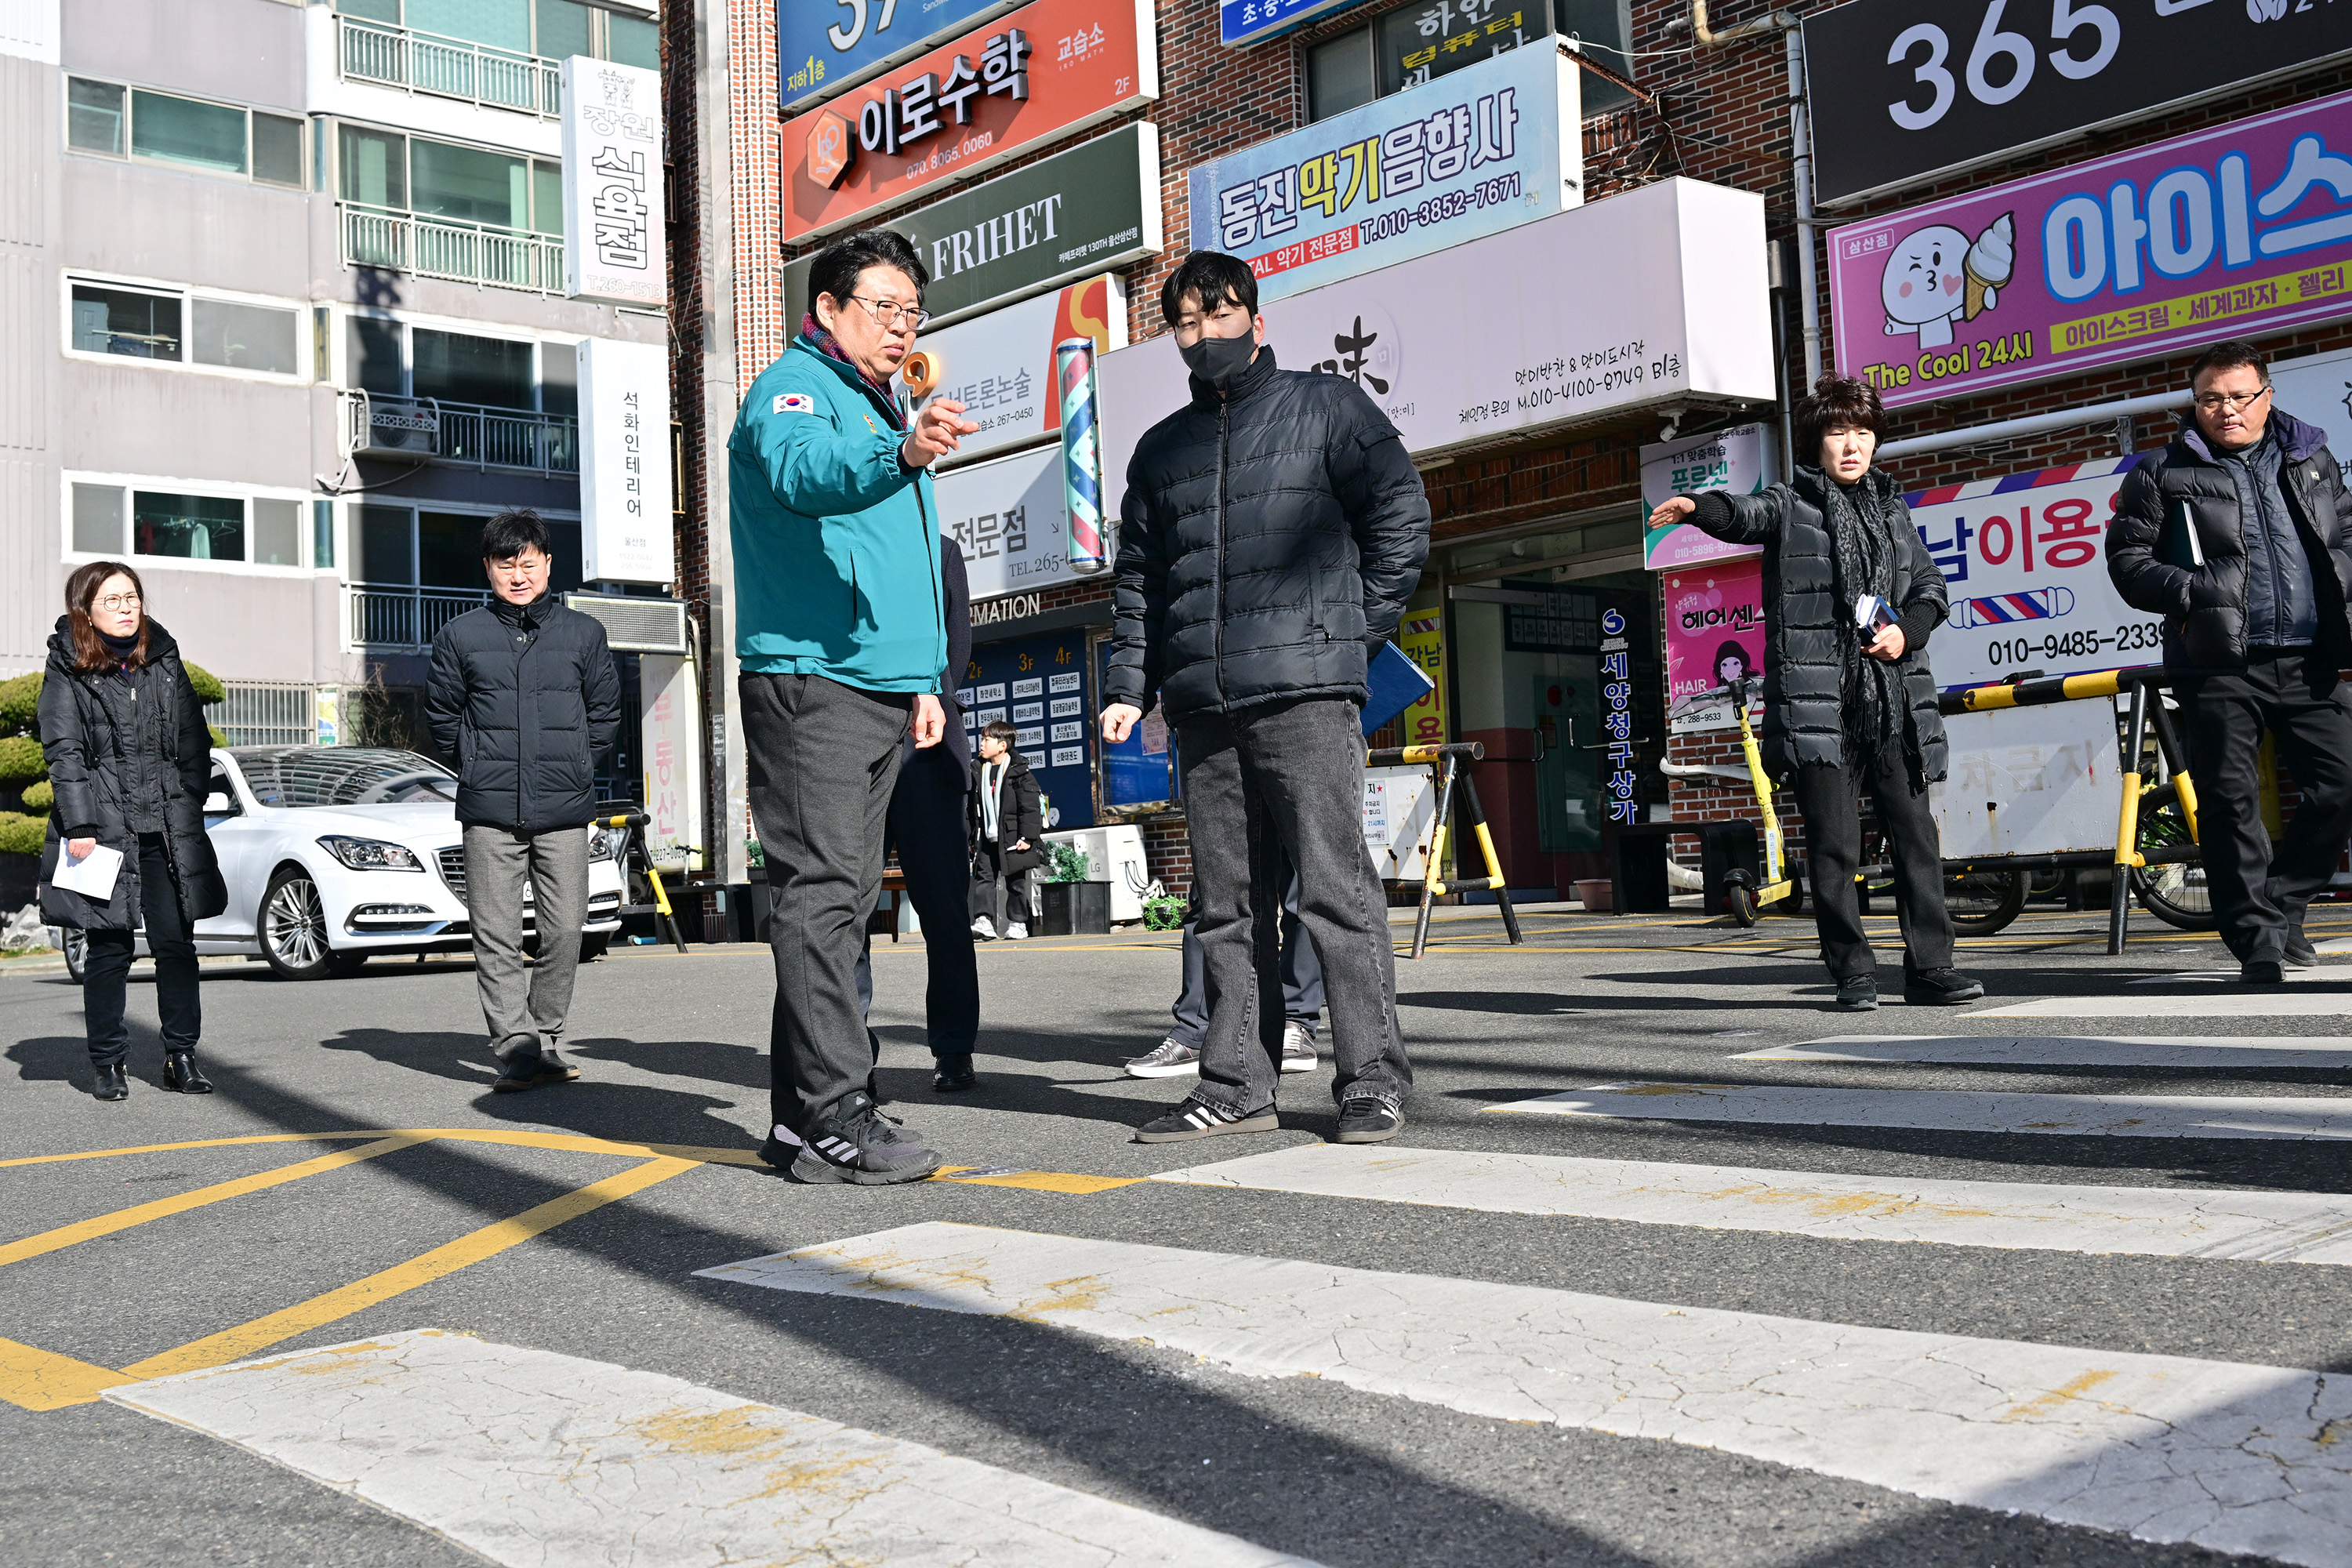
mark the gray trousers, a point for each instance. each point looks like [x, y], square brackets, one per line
[823, 759]
[1287, 778]
[524, 1005]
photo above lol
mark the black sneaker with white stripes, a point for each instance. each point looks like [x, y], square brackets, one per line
[1198, 1119]
[859, 1145]
[1368, 1119]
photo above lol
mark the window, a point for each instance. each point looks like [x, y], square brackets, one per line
[552, 29]
[449, 182]
[190, 133]
[1422, 41]
[125, 517]
[147, 323]
[395, 360]
[400, 547]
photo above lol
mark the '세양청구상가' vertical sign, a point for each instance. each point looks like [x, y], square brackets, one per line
[822, 47]
[613, 204]
[2232, 233]
[1050, 68]
[1484, 149]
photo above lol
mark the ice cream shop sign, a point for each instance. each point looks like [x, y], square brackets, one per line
[2235, 231]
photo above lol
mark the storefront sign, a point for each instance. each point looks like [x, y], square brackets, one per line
[1617, 716]
[1741, 461]
[1654, 296]
[1089, 210]
[1007, 515]
[2318, 391]
[2030, 780]
[1901, 90]
[1000, 366]
[1241, 22]
[613, 201]
[1714, 635]
[1494, 146]
[1422, 636]
[1140, 771]
[822, 47]
[2024, 558]
[1414, 45]
[625, 482]
[1038, 73]
[1039, 685]
[669, 718]
[1011, 607]
[2236, 232]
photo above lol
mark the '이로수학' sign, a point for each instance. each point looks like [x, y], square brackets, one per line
[2232, 233]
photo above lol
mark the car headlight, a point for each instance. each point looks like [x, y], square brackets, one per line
[372, 853]
[600, 844]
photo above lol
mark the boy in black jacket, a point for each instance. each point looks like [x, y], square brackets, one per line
[1008, 831]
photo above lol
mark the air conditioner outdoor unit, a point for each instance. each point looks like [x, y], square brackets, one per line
[396, 427]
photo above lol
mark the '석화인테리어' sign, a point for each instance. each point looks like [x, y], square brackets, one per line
[1094, 208]
[2235, 232]
[1049, 69]
[1489, 148]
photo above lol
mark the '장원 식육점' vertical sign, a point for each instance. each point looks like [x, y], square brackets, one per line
[613, 203]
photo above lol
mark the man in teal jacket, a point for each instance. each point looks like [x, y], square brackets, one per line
[844, 648]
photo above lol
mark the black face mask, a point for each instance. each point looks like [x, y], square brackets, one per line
[1220, 361]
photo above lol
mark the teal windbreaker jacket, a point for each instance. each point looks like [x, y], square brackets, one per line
[836, 544]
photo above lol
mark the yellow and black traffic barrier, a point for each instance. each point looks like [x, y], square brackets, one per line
[630, 824]
[1447, 761]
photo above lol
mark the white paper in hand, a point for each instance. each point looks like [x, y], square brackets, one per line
[93, 876]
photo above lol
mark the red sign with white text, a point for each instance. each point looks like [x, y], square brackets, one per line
[1023, 80]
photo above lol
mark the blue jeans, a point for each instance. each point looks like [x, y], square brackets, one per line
[1302, 973]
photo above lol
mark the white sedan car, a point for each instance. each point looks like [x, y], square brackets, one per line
[335, 854]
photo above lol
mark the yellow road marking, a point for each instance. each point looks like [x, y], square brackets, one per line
[422, 1134]
[42, 1380]
[217, 1350]
[198, 1144]
[1035, 1181]
[123, 1219]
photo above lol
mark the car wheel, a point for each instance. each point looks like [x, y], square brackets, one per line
[77, 952]
[294, 927]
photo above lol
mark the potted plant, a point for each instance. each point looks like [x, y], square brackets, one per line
[1074, 905]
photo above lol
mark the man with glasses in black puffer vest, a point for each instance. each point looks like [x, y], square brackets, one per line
[1272, 532]
[2235, 535]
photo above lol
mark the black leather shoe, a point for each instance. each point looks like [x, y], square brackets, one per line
[2260, 971]
[112, 1083]
[1859, 994]
[2300, 953]
[180, 1074]
[953, 1075]
[520, 1073]
[1941, 988]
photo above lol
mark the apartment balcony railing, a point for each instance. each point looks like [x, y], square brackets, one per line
[392, 614]
[465, 252]
[446, 68]
[429, 429]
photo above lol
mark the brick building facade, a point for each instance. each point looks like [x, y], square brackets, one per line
[1718, 113]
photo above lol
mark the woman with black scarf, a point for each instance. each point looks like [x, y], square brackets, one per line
[130, 760]
[1848, 701]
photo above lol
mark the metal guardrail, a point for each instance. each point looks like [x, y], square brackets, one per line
[465, 433]
[390, 615]
[463, 253]
[446, 68]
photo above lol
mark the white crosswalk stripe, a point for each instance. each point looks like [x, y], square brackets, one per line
[2234, 1457]
[2209, 1002]
[2325, 973]
[530, 1458]
[1959, 1110]
[2182, 1222]
[2235, 1051]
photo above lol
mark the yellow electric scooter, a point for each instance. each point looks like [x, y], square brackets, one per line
[1740, 893]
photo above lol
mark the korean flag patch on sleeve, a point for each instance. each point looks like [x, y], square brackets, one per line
[795, 403]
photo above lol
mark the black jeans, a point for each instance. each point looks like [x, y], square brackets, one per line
[106, 971]
[1302, 971]
[1828, 798]
[1287, 778]
[824, 758]
[927, 825]
[2256, 894]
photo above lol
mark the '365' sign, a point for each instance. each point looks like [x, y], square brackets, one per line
[1901, 90]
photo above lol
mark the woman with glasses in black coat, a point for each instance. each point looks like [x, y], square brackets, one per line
[129, 762]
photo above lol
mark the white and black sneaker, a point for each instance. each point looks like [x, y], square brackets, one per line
[859, 1145]
[984, 928]
[1368, 1119]
[1298, 1047]
[1170, 1059]
[1196, 1118]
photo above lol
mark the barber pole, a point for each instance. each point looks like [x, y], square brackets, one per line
[1074, 374]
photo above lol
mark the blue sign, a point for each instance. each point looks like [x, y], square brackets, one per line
[1481, 149]
[824, 46]
[1255, 21]
[1039, 685]
[1141, 769]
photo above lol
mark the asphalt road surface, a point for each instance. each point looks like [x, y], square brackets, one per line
[1671, 1265]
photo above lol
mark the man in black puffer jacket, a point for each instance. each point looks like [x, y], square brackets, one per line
[523, 698]
[2235, 535]
[1272, 532]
